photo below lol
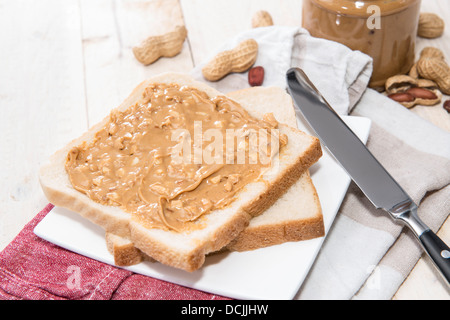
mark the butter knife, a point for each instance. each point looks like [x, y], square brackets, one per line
[364, 169]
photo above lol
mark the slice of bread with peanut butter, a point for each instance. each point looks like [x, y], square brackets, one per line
[115, 176]
[295, 216]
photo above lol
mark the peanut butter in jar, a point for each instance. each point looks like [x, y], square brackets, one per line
[384, 29]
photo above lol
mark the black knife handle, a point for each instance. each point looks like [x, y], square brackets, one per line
[438, 251]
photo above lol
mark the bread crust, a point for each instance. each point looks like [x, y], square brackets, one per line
[124, 253]
[285, 180]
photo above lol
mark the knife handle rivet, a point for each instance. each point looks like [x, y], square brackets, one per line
[445, 254]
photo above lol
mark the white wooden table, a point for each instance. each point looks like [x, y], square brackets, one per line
[64, 64]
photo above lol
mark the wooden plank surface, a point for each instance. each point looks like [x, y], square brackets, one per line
[65, 64]
[211, 23]
[42, 100]
[110, 29]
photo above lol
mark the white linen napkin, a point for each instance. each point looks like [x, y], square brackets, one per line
[340, 74]
[365, 255]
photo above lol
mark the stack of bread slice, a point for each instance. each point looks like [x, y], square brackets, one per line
[283, 207]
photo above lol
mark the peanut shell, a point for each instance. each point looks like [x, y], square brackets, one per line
[239, 59]
[437, 70]
[262, 19]
[155, 47]
[410, 92]
[399, 83]
[413, 72]
[432, 52]
[430, 26]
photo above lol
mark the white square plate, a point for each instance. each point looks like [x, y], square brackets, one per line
[270, 273]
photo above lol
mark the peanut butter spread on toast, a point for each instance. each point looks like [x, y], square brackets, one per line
[174, 156]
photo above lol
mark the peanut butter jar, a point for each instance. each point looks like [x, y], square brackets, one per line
[384, 29]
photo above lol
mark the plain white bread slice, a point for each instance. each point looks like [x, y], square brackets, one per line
[295, 216]
[123, 250]
[184, 251]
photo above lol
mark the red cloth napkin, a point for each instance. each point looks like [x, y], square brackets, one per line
[32, 268]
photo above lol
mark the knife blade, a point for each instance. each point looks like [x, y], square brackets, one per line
[369, 175]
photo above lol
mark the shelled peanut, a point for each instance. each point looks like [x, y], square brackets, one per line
[256, 76]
